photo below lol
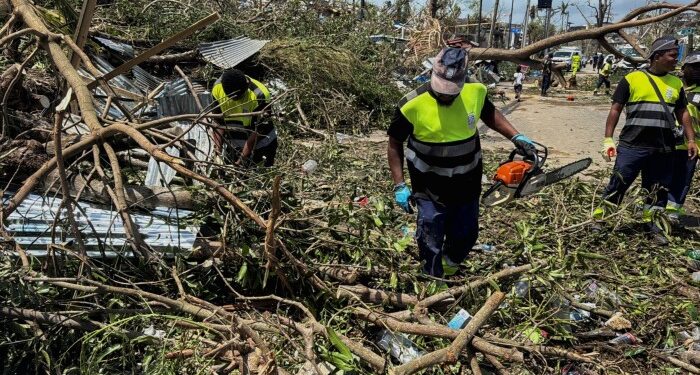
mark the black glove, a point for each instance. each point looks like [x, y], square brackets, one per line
[525, 146]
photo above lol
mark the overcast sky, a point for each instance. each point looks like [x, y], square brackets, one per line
[620, 8]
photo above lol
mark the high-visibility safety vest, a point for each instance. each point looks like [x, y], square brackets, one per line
[253, 99]
[693, 94]
[575, 60]
[445, 140]
[605, 72]
[643, 107]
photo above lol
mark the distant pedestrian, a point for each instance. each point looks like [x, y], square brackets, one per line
[518, 78]
[601, 61]
[546, 74]
[595, 61]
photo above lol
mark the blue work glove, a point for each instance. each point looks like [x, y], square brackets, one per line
[525, 146]
[401, 195]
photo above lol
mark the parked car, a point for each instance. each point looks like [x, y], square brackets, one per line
[564, 56]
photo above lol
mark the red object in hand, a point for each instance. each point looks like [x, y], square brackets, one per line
[512, 172]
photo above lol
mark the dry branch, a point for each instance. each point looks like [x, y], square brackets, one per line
[452, 352]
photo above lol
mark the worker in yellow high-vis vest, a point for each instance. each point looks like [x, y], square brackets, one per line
[245, 137]
[684, 168]
[575, 64]
[443, 154]
[647, 140]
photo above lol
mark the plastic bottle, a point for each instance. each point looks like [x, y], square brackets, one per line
[693, 258]
[521, 288]
[460, 319]
[309, 166]
[485, 248]
[696, 276]
[624, 339]
[399, 346]
[599, 292]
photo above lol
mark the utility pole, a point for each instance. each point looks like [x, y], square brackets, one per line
[493, 24]
[546, 23]
[510, 25]
[478, 24]
[527, 18]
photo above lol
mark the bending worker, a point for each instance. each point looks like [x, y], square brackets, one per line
[444, 159]
[684, 168]
[647, 141]
[249, 137]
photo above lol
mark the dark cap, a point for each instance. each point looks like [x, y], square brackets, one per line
[234, 82]
[665, 43]
[449, 71]
[692, 58]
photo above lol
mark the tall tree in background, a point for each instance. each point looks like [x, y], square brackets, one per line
[601, 11]
[403, 10]
[493, 23]
[564, 12]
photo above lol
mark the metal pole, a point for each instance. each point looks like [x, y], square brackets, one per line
[527, 17]
[478, 25]
[510, 25]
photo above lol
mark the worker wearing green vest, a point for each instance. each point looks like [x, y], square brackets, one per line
[245, 136]
[647, 140]
[575, 64]
[444, 159]
[604, 77]
[684, 168]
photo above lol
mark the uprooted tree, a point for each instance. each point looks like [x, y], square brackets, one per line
[298, 276]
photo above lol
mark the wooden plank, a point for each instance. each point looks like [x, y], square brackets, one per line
[123, 68]
[81, 32]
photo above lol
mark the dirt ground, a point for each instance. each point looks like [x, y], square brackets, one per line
[570, 129]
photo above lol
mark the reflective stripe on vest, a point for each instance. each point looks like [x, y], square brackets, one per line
[643, 107]
[256, 95]
[251, 99]
[445, 140]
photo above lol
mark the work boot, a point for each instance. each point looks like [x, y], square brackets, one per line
[655, 235]
[595, 92]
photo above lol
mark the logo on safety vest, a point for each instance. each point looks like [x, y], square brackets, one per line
[472, 121]
[669, 93]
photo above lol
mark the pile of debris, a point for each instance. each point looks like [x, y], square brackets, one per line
[126, 248]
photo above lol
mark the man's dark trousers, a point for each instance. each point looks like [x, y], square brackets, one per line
[451, 230]
[683, 170]
[546, 81]
[655, 167]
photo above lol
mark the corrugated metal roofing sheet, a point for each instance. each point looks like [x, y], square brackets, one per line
[229, 53]
[121, 48]
[145, 80]
[30, 225]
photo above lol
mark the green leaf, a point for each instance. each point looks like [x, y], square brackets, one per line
[634, 352]
[337, 343]
[393, 280]
[242, 272]
[341, 361]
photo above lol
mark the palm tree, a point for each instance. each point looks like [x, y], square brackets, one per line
[564, 10]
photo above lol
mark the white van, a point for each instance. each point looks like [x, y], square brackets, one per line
[563, 55]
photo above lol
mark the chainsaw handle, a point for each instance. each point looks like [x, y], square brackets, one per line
[540, 156]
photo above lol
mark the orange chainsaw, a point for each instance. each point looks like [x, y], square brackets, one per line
[525, 176]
